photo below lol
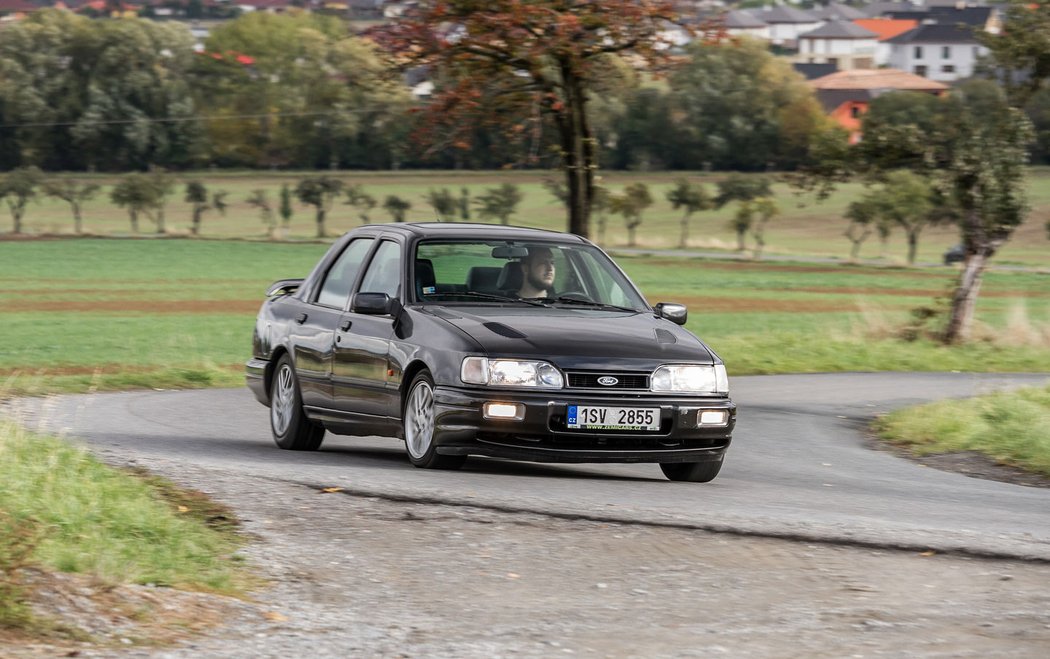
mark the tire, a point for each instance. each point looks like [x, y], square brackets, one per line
[417, 419]
[291, 429]
[693, 472]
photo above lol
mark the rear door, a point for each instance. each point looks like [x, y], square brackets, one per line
[315, 323]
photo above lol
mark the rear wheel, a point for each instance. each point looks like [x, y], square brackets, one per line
[693, 472]
[291, 429]
[419, 424]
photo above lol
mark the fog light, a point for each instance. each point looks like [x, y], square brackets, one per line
[514, 411]
[713, 418]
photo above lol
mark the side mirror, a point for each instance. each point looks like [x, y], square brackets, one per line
[676, 313]
[284, 287]
[375, 304]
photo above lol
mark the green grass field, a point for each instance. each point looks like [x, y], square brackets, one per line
[82, 314]
[804, 227]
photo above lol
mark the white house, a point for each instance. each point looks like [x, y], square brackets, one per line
[745, 24]
[787, 23]
[944, 53]
[842, 43]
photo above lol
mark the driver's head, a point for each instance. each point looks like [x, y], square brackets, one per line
[538, 268]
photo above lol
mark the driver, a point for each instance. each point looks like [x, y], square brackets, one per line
[537, 273]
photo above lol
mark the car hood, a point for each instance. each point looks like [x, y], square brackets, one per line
[577, 338]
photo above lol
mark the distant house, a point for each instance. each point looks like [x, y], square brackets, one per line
[886, 29]
[814, 71]
[269, 6]
[14, 9]
[836, 10]
[745, 24]
[846, 95]
[839, 42]
[977, 18]
[939, 52]
[787, 23]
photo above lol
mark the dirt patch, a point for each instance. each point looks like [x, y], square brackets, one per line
[967, 463]
[99, 369]
[77, 614]
[138, 306]
[707, 304]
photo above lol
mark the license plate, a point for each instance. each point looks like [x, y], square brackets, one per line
[591, 417]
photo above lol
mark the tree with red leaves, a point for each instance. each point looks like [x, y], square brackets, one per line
[519, 59]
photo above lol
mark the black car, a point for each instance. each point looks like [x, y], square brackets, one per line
[468, 339]
[955, 254]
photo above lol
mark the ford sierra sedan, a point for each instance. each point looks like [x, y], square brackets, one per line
[473, 339]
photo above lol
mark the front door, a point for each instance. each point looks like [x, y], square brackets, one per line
[360, 368]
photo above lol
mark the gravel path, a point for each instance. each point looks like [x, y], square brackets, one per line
[358, 576]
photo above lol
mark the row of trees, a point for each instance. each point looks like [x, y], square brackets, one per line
[297, 90]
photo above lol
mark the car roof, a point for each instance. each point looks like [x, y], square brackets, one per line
[469, 230]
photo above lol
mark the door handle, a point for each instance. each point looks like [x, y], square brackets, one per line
[301, 318]
[345, 325]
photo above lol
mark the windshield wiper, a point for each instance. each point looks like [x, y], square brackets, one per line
[562, 299]
[483, 296]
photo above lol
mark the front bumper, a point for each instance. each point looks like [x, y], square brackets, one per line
[542, 435]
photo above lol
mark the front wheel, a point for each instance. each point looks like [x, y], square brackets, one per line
[291, 429]
[418, 420]
[693, 472]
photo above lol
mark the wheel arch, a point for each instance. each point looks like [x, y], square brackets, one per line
[271, 365]
[411, 371]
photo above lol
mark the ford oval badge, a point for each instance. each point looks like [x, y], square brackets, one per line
[608, 381]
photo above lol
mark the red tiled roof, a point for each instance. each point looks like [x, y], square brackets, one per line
[887, 28]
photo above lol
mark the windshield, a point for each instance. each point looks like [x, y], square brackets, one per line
[506, 272]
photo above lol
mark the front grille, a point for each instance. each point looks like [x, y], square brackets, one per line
[624, 381]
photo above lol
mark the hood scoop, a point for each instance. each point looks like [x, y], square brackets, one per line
[503, 330]
[663, 336]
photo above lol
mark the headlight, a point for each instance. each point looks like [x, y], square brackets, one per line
[510, 373]
[691, 379]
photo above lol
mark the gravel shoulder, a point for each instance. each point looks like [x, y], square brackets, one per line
[348, 575]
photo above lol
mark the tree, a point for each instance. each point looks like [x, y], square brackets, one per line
[863, 215]
[18, 188]
[742, 221]
[740, 107]
[464, 203]
[443, 202]
[297, 88]
[691, 198]
[160, 186]
[1020, 51]
[634, 199]
[600, 205]
[905, 200]
[397, 207]
[500, 202]
[544, 55]
[285, 209]
[766, 209]
[319, 192]
[974, 160]
[740, 187]
[361, 200]
[197, 196]
[135, 193]
[258, 199]
[73, 193]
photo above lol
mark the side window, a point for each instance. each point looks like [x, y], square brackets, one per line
[384, 272]
[336, 287]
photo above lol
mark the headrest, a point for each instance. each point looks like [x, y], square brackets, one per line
[510, 277]
[424, 275]
[481, 278]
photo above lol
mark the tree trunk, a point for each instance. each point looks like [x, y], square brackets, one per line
[320, 222]
[683, 238]
[160, 221]
[913, 245]
[17, 215]
[195, 228]
[964, 299]
[578, 152]
[741, 235]
[134, 216]
[632, 227]
[78, 220]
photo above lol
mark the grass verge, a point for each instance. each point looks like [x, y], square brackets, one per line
[1012, 428]
[63, 510]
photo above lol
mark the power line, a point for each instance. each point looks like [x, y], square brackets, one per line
[159, 120]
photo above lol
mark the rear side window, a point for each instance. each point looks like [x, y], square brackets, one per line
[341, 276]
[384, 272]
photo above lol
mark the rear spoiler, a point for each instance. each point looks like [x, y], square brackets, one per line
[284, 287]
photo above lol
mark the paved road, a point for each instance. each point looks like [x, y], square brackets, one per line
[799, 466]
